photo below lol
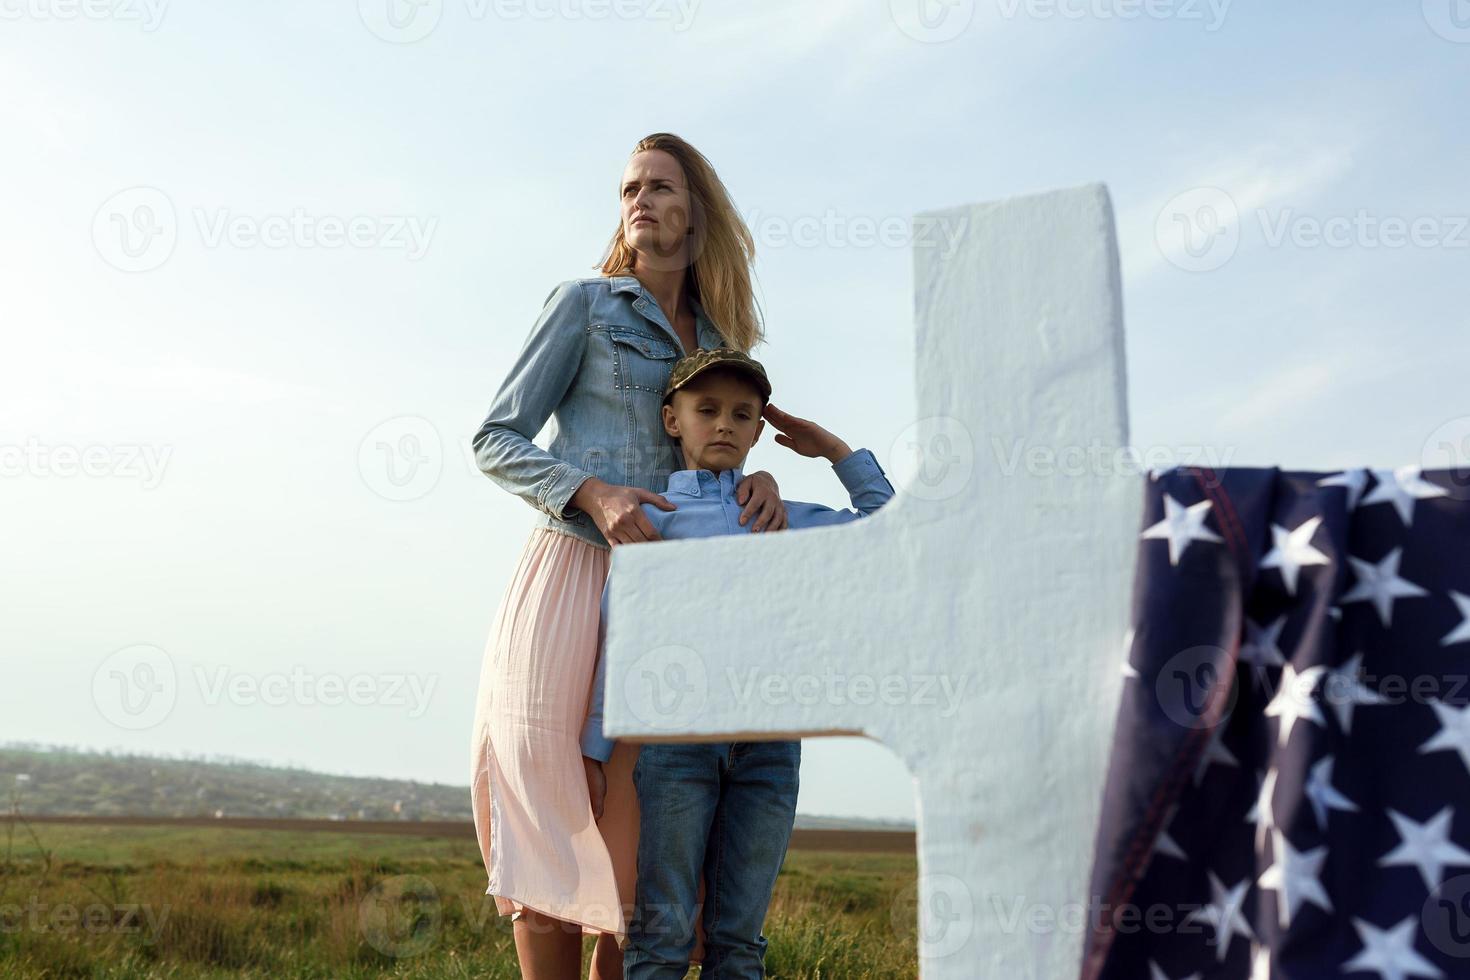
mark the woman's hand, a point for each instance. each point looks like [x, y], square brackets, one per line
[596, 785]
[762, 500]
[806, 437]
[618, 510]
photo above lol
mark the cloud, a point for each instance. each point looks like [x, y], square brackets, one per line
[1265, 176]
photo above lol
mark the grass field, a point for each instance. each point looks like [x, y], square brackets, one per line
[204, 902]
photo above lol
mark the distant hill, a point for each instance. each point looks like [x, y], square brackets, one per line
[808, 822]
[61, 780]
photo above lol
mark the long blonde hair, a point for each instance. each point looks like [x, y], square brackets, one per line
[721, 243]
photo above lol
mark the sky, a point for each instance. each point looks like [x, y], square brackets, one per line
[265, 265]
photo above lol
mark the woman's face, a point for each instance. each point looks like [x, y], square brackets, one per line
[655, 210]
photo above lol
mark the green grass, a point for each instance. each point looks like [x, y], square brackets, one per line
[144, 902]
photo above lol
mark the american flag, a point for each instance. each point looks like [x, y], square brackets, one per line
[1289, 789]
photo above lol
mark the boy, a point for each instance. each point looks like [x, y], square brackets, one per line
[725, 808]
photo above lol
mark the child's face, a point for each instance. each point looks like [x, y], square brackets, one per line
[716, 418]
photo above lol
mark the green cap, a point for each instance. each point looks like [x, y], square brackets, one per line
[690, 366]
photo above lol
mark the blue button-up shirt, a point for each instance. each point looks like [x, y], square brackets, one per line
[706, 507]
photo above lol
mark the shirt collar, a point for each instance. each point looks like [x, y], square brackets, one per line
[625, 284]
[704, 329]
[696, 483]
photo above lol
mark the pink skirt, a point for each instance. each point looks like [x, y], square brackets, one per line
[533, 816]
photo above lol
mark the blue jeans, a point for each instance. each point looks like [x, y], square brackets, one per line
[726, 808]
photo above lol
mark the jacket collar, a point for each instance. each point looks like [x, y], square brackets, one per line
[696, 483]
[704, 330]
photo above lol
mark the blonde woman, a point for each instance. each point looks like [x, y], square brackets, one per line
[676, 276]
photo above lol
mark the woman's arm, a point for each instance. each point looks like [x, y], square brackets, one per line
[537, 382]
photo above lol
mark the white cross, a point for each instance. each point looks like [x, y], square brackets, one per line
[1011, 580]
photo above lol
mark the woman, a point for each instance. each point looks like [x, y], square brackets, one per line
[676, 276]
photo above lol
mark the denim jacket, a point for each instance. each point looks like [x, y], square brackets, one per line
[597, 361]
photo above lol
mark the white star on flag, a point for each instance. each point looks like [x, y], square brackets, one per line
[1261, 813]
[1426, 846]
[1169, 847]
[1344, 691]
[1260, 963]
[1262, 646]
[1323, 795]
[1291, 550]
[1401, 487]
[1165, 843]
[1129, 670]
[1215, 751]
[1294, 701]
[1460, 633]
[1390, 952]
[1454, 731]
[1294, 878]
[1155, 972]
[1181, 526]
[1353, 480]
[1224, 915]
[1263, 643]
[1381, 584]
